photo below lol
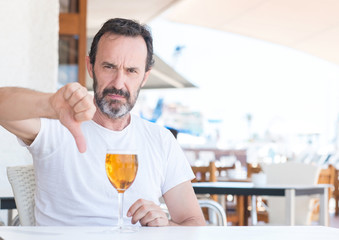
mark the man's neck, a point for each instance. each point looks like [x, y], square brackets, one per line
[116, 124]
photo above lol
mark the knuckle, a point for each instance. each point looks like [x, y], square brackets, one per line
[72, 86]
[78, 94]
[143, 222]
[155, 223]
[152, 214]
[143, 208]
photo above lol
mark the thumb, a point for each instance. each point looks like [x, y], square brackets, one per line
[78, 137]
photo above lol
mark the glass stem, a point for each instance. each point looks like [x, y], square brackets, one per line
[120, 219]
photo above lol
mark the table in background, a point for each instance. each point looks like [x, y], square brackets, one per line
[169, 233]
[289, 192]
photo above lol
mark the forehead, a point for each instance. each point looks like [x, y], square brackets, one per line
[116, 48]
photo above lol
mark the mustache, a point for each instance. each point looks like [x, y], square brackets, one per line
[119, 92]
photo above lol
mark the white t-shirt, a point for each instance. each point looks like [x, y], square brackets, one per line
[73, 188]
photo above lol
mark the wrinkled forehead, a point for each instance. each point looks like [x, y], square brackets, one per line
[126, 48]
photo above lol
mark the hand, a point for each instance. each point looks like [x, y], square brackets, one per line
[148, 214]
[72, 105]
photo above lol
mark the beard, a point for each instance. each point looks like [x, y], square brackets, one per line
[113, 108]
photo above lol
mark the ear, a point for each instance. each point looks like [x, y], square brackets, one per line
[89, 67]
[145, 77]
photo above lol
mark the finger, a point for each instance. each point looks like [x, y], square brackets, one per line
[84, 116]
[139, 214]
[78, 137]
[84, 104]
[77, 96]
[148, 218]
[154, 218]
[135, 206]
[70, 88]
[158, 222]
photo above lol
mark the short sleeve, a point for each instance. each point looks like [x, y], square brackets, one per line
[177, 168]
[48, 139]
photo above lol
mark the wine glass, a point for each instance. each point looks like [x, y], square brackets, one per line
[121, 169]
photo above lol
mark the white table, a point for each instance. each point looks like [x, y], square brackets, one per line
[170, 233]
[288, 191]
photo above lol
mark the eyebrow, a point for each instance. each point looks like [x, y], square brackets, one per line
[115, 66]
[108, 64]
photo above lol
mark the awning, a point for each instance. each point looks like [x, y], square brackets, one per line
[311, 26]
[164, 76]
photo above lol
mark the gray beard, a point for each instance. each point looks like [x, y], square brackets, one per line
[111, 112]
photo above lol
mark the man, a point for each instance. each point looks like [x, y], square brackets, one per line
[68, 135]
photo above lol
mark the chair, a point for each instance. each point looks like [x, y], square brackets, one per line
[233, 204]
[290, 173]
[336, 192]
[22, 180]
[253, 168]
[262, 214]
[326, 176]
[212, 207]
[205, 174]
[205, 156]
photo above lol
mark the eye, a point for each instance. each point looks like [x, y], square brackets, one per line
[108, 66]
[131, 70]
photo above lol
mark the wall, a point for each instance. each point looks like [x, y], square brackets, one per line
[29, 58]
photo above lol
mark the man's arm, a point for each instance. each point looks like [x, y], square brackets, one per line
[182, 205]
[21, 110]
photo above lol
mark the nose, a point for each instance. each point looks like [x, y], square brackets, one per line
[119, 79]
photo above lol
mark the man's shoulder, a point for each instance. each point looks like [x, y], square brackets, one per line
[138, 121]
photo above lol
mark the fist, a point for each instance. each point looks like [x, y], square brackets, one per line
[148, 214]
[72, 105]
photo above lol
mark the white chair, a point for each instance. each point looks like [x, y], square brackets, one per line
[216, 213]
[290, 173]
[22, 180]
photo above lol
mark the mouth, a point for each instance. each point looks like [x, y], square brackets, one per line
[115, 96]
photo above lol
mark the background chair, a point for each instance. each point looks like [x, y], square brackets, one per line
[336, 192]
[290, 173]
[326, 176]
[22, 180]
[205, 174]
[262, 214]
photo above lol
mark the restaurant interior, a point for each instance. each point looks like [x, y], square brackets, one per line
[260, 127]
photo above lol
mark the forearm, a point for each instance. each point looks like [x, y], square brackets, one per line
[20, 104]
[194, 221]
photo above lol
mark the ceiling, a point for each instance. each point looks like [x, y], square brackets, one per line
[311, 26]
[99, 11]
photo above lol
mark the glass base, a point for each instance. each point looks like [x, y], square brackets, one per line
[123, 229]
[128, 229]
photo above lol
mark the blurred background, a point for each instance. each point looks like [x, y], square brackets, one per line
[249, 81]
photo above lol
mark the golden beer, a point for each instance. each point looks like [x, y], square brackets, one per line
[121, 169]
